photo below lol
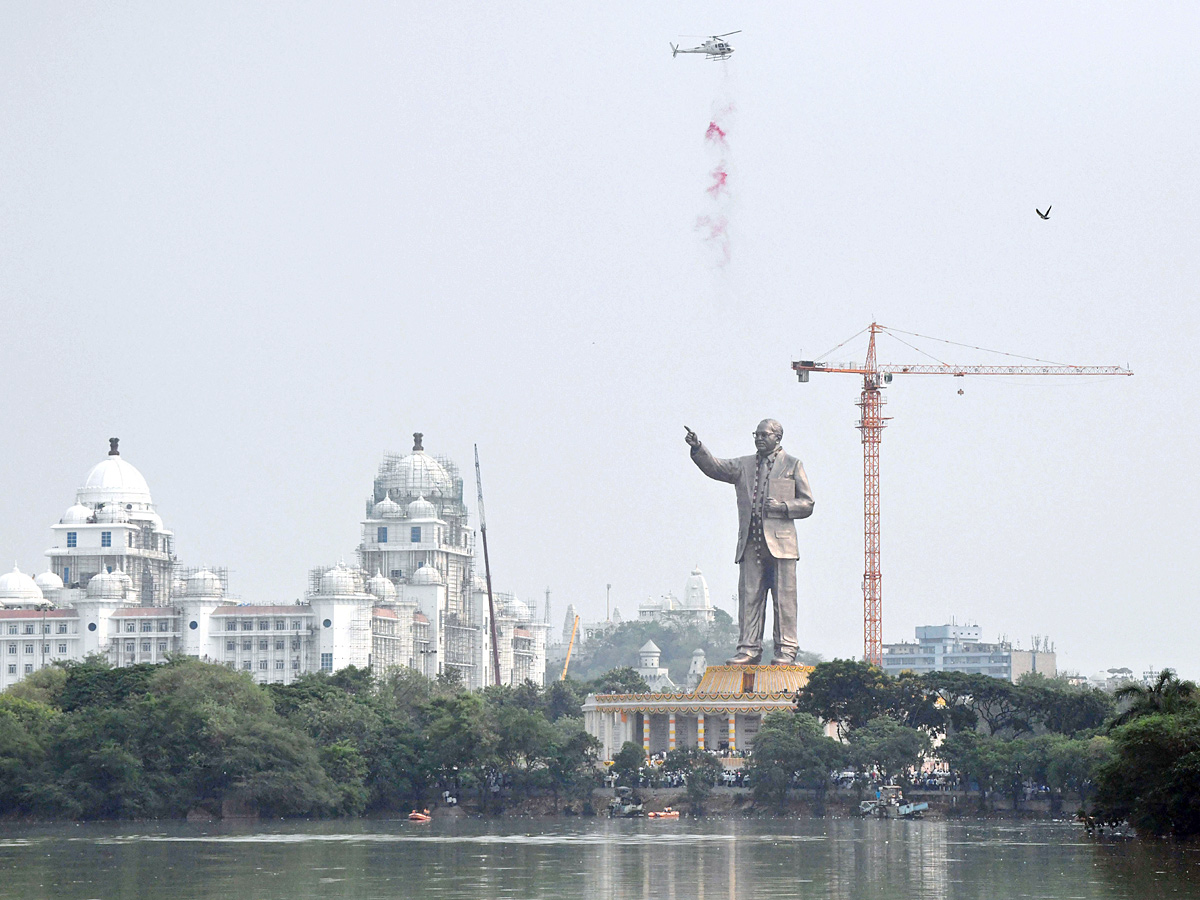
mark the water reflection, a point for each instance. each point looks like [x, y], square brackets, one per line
[676, 860]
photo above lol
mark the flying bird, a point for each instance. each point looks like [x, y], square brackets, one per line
[1044, 215]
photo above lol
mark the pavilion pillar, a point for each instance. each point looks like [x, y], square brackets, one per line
[646, 733]
[671, 731]
[732, 732]
[700, 730]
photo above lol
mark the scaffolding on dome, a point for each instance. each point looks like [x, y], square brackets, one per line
[183, 573]
[356, 572]
[408, 476]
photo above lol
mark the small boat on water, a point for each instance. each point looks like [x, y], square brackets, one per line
[891, 805]
[415, 816]
[667, 813]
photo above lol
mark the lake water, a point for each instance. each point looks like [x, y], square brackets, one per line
[586, 858]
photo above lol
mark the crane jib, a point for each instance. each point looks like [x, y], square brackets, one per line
[871, 424]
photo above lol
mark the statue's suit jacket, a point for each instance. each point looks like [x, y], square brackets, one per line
[787, 483]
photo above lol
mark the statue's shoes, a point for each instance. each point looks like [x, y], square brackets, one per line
[744, 659]
[784, 661]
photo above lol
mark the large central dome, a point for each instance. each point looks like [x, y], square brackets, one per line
[114, 480]
[413, 476]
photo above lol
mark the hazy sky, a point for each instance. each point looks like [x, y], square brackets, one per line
[264, 243]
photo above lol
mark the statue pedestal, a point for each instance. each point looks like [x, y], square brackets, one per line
[753, 679]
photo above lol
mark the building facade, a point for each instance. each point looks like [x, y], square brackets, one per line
[114, 588]
[959, 648]
[722, 714]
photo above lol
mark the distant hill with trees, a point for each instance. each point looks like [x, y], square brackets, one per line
[620, 647]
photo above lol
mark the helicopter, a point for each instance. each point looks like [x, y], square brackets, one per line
[716, 47]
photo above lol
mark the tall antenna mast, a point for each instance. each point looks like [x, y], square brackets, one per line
[487, 569]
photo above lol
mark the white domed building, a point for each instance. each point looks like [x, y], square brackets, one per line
[417, 536]
[113, 588]
[695, 608]
[113, 526]
[20, 591]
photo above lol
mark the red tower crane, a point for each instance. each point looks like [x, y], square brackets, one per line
[871, 424]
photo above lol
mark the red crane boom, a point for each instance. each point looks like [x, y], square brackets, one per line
[871, 424]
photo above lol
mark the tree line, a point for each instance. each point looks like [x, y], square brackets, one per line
[1131, 756]
[87, 741]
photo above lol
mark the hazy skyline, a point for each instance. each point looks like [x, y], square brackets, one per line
[264, 244]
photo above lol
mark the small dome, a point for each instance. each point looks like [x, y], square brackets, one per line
[387, 508]
[381, 587]
[114, 480]
[203, 584]
[422, 509]
[48, 581]
[147, 515]
[17, 588]
[516, 608]
[338, 580]
[650, 647]
[112, 512]
[426, 575]
[109, 586]
[77, 515]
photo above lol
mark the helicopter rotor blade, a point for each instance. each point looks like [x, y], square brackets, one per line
[739, 31]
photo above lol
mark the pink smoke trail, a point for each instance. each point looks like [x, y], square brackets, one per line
[714, 227]
[715, 231]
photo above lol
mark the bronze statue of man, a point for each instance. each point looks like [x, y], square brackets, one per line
[772, 490]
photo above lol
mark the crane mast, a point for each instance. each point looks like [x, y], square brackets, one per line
[871, 423]
[870, 426]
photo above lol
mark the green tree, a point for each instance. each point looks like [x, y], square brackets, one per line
[700, 771]
[627, 763]
[460, 744]
[1167, 695]
[524, 739]
[570, 759]
[792, 749]
[999, 704]
[1066, 765]
[913, 703]
[1152, 779]
[43, 686]
[239, 750]
[564, 699]
[94, 683]
[622, 680]
[886, 745]
[996, 764]
[1062, 708]
[25, 732]
[845, 691]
